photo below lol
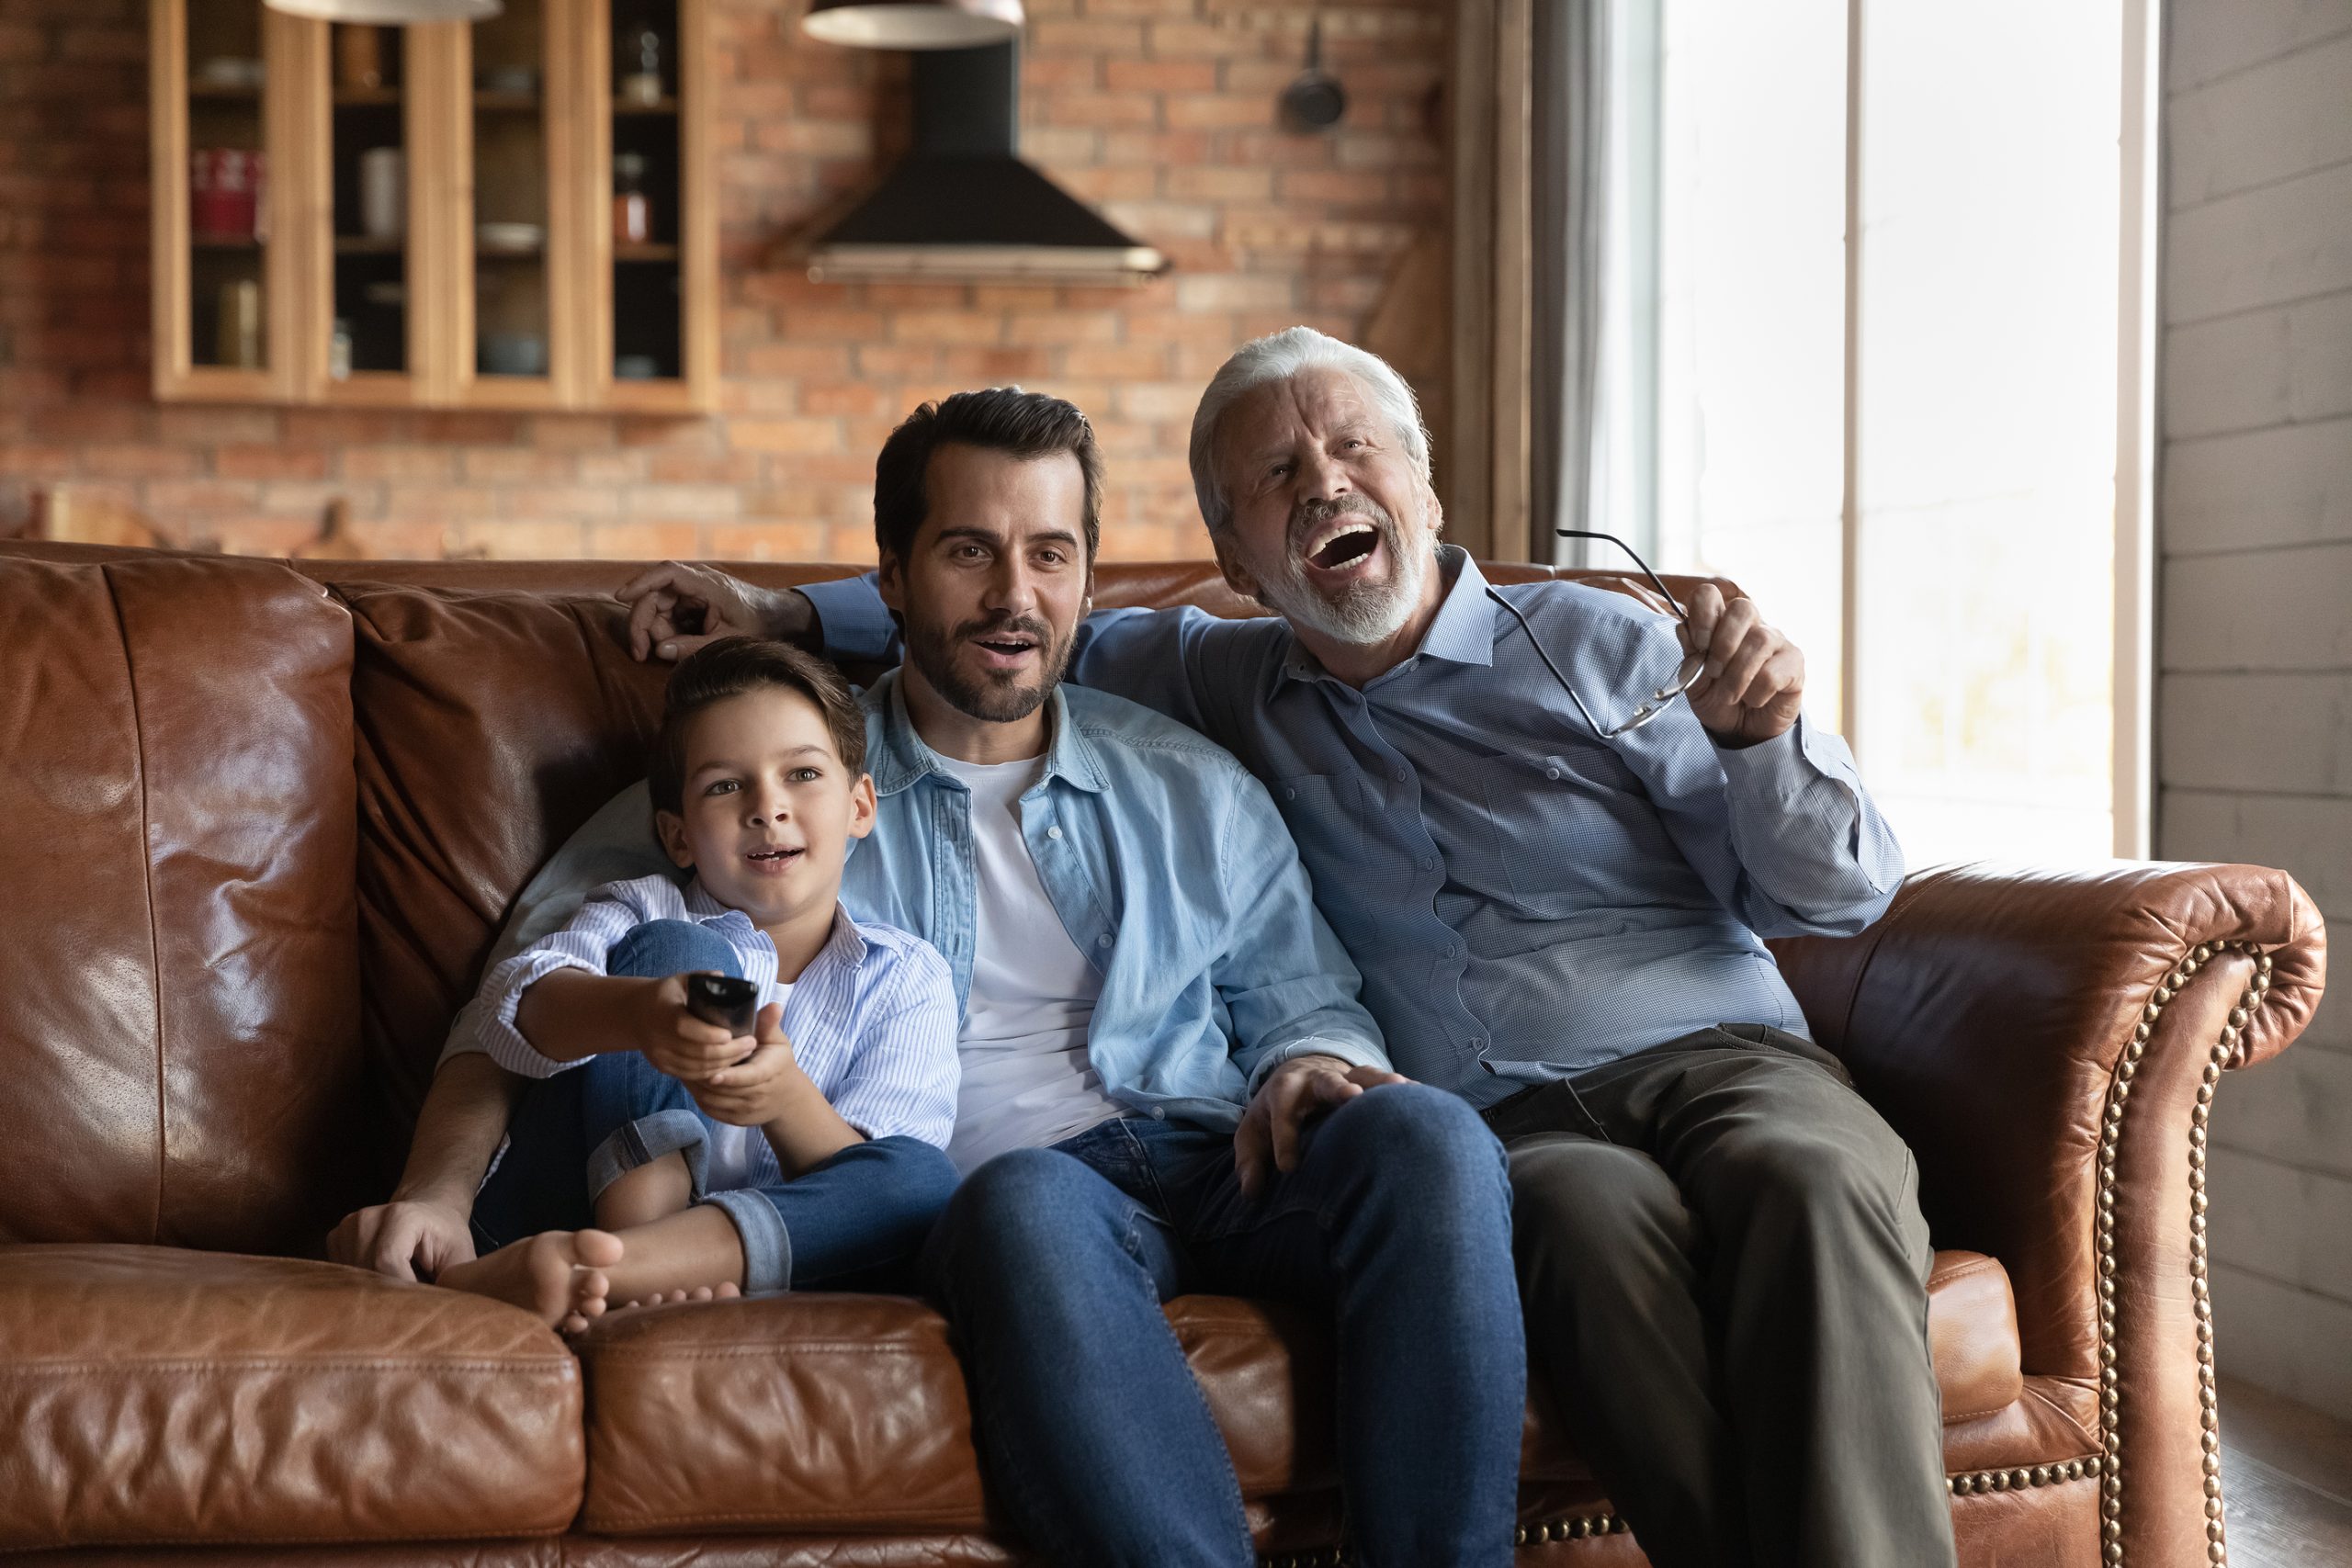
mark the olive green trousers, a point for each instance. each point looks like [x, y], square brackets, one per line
[1723, 1266]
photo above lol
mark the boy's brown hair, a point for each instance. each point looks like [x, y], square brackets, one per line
[730, 668]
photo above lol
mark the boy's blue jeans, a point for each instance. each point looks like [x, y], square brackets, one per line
[855, 1219]
[1053, 1263]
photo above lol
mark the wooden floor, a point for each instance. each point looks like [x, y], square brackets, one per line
[2286, 1474]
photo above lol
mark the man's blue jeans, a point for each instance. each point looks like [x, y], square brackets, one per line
[1053, 1263]
[855, 1219]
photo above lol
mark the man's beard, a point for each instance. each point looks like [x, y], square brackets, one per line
[1365, 612]
[998, 697]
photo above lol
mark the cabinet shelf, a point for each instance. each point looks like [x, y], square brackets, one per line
[488, 102]
[367, 98]
[647, 253]
[639, 107]
[369, 244]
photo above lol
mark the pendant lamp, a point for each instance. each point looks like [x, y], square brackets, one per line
[389, 13]
[913, 24]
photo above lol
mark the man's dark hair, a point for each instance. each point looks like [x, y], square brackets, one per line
[730, 668]
[1002, 419]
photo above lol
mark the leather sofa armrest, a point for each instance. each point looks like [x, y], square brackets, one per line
[2049, 1043]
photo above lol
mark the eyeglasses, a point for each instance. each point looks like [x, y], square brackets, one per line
[1693, 664]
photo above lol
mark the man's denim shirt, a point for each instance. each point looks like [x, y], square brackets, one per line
[1166, 860]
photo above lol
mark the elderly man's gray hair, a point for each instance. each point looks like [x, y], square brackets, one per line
[1278, 358]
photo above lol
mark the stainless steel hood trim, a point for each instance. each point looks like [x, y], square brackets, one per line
[838, 264]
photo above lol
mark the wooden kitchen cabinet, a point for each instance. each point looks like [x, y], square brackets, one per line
[427, 216]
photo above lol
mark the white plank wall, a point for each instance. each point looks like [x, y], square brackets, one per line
[2255, 695]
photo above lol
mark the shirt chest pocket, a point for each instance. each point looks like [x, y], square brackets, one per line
[1553, 839]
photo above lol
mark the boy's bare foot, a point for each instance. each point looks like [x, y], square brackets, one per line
[558, 1275]
[727, 1292]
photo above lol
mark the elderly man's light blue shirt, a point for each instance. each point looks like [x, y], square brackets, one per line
[1164, 858]
[1525, 897]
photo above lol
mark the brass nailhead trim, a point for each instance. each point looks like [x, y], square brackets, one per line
[1969, 1482]
[2228, 1051]
[1575, 1528]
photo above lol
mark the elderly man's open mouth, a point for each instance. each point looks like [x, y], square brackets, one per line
[1346, 550]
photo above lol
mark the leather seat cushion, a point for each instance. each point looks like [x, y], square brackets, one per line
[153, 1396]
[814, 1413]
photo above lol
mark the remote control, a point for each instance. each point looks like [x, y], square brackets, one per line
[724, 1000]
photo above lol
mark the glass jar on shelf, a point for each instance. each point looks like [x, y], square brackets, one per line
[641, 56]
[632, 208]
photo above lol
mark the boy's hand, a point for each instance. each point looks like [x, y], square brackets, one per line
[677, 1042]
[752, 1092]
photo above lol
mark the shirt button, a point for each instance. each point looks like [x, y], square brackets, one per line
[1401, 775]
[1160, 1113]
[1289, 794]
[1053, 832]
[1476, 1043]
[1428, 863]
[1550, 772]
[1102, 941]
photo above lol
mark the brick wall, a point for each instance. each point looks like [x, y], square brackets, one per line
[2255, 692]
[1163, 111]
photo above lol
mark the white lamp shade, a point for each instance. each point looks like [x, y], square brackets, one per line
[389, 13]
[913, 24]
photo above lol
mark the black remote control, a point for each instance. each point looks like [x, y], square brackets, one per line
[723, 999]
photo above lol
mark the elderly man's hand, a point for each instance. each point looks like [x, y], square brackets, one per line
[1754, 685]
[406, 1238]
[1293, 1094]
[664, 600]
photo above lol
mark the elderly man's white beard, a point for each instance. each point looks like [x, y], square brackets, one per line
[1360, 612]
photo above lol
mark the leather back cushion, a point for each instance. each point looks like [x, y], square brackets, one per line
[176, 840]
[490, 725]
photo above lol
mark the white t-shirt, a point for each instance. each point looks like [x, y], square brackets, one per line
[1027, 1081]
[728, 1147]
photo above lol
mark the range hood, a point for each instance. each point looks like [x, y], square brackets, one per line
[963, 205]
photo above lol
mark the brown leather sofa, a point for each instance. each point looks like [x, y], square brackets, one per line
[257, 829]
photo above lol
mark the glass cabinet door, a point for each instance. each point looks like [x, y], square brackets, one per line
[648, 282]
[219, 305]
[370, 166]
[514, 227]
[228, 179]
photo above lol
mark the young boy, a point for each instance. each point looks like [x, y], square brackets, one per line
[808, 1150]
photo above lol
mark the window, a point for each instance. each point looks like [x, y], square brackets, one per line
[1923, 453]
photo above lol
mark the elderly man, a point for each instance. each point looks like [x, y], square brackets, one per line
[1169, 1084]
[1556, 877]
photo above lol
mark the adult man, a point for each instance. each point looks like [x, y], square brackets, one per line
[1558, 915]
[1148, 989]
